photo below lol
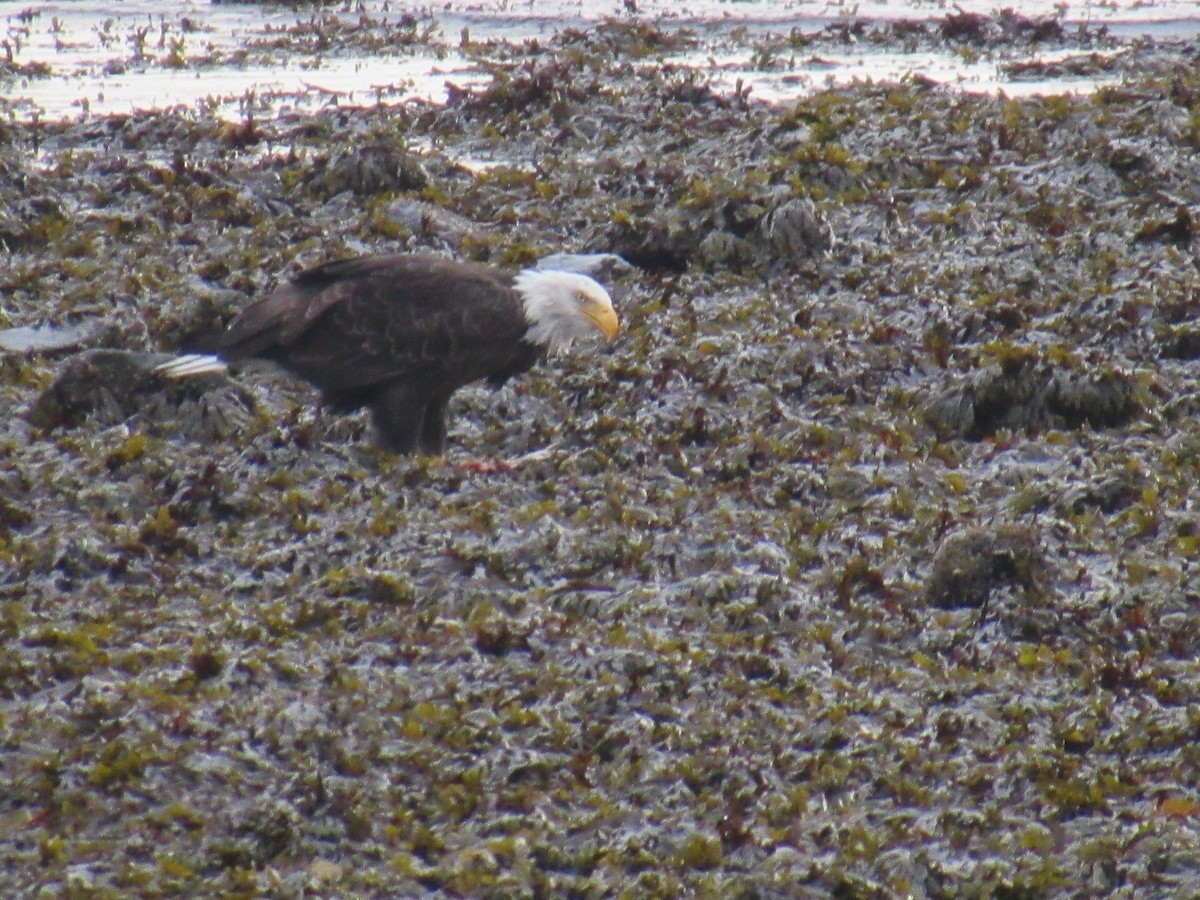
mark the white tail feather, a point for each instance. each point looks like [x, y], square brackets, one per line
[191, 364]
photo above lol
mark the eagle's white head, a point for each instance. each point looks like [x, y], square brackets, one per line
[564, 307]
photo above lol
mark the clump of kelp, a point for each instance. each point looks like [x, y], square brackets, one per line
[1024, 392]
[759, 609]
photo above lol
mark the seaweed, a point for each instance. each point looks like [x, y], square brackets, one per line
[861, 565]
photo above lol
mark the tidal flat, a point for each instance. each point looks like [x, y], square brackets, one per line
[862, 565]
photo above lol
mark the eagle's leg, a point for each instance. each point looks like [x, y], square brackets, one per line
[399, 413]
[433, 426]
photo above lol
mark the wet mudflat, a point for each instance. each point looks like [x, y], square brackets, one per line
[862, 565]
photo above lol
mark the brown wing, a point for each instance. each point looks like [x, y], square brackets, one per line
[360, 322]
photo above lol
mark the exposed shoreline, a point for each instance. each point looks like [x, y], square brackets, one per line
[862, 565]
[86, 59]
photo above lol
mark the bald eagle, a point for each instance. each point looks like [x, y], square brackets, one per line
[400, 334]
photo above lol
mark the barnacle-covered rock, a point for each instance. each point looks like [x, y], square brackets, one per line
[108, 387]
[1025, 394]
[724, 225]
[796, 229]
[973, 563]
[655, 242]
[722, 248]
[372, 170]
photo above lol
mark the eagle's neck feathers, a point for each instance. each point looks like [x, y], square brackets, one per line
[563, 307]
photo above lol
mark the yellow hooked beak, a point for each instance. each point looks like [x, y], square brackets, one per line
[604, 317]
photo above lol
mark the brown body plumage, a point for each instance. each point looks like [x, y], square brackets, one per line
[399, 334]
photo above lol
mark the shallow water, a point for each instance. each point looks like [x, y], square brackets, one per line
[107, 57]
